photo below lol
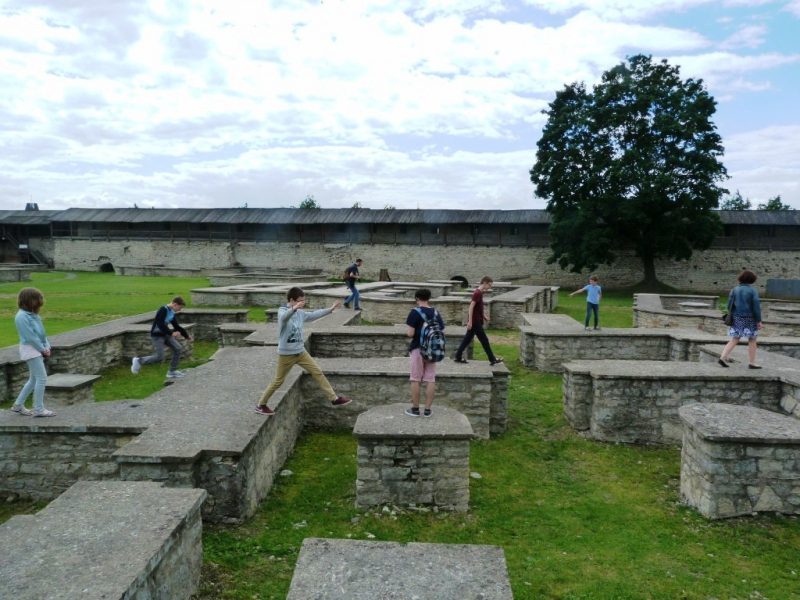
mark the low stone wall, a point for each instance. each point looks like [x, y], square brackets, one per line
[42, 465]
[464, 388]
[208, 321]
[15, 274]
[739, 460]
[407, 460]
[106, 540]
[87, 351]
[548, 341]
[650, 312]
[375, 342]
[621, 401]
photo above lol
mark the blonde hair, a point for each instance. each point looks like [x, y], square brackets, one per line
[30, 299]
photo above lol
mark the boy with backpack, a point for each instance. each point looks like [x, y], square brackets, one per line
[425, 328]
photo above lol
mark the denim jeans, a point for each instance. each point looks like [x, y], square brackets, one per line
[35, 384]
[354, 296]
[592, 308]
[159, 341]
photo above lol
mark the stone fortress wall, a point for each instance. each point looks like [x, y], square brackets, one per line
[713, 270]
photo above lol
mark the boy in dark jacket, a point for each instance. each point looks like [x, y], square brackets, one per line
[162, 335]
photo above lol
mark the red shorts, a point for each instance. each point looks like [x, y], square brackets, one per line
[421, 370]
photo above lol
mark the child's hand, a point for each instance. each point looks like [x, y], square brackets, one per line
[47, 352]
[299, 304]
[336, 305]
[176, 334]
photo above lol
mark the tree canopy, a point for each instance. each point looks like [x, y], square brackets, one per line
[309, 202]
[774, 204]
[736, 202]
[632, 164]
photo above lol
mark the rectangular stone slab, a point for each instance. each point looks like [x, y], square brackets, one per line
[110, 539]
[361, 570]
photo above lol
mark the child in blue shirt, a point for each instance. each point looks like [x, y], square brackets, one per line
[593, 294]
[33, 348]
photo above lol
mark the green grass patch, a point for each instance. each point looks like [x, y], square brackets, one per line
[615, 308]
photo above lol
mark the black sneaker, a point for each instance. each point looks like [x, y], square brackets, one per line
[412, 412]
[346, 305]
[722, 363]
[357, 308]
[340, 401]
[427, 413]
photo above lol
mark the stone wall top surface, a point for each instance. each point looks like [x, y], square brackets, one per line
[361, 570]
[93, 541]
[658, 369]
[729, 423]
[390, 421]
[210, 410]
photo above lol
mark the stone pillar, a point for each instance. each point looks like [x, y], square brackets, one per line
[413, 460]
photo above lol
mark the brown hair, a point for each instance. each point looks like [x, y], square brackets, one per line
[30, 299]
[294, 293]
[594, 278]
[423, 294]
[179, 301]
[747, 277]
[486, 279]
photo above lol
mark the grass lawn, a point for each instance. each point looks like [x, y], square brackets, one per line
[577, 519]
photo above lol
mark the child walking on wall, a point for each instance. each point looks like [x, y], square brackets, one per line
[33, 348]
[292, 351]
[593, 294]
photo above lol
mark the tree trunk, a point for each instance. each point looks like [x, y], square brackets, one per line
[649, 270]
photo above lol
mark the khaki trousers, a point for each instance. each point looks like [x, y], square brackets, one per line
[303, 360]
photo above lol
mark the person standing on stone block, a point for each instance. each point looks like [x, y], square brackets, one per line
[352, 275]
[594, 293]
[476, 317]
[745, 307]
[161, 335]
[292, 351]
[421, 370]
[33, 348]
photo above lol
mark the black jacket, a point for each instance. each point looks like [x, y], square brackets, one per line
[161, 328]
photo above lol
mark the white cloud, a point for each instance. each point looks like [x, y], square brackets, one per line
[399, 101]
[793, 7]
[749, 36]
[765, 163]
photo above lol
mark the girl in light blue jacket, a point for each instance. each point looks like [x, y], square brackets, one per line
[33, 348]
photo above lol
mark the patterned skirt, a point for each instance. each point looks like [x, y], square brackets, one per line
[743, 327]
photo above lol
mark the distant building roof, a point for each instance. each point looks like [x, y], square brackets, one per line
[27, 217]
[337, 216]
[301, 216]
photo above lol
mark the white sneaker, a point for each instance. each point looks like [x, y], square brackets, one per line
[175, 374]
[135, 365]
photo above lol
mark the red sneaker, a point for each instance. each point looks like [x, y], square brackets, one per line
[263, 409]
[340, 401]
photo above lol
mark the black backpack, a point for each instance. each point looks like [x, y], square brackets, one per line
[431, 338]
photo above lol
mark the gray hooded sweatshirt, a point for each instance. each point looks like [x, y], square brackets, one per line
[290, 338]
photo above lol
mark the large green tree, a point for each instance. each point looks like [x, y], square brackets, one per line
[632, 164]
[774, 204]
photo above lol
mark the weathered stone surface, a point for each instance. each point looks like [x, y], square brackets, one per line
[638, 401]
[413, 460]
[65, 389]
[106, 540]
[737, 460]
[391, 421]
[360, 570]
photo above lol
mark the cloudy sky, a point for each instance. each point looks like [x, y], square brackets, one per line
[429, 104]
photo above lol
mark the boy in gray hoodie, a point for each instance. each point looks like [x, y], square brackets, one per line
[292, 351]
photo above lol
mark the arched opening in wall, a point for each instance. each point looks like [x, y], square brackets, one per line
[463, 280]
[107, 268]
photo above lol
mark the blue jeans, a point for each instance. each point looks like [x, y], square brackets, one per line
[354, 296]
[35, 384]
[592, 308]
